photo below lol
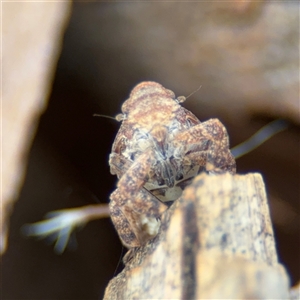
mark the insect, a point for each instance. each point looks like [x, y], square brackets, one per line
[159, 149]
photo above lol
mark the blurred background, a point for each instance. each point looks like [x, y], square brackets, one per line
[245, 54]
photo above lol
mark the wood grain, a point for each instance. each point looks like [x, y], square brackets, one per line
[216, 241]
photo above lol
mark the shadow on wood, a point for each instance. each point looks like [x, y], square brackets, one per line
[216, 241]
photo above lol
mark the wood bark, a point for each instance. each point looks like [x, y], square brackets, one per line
[215, 242]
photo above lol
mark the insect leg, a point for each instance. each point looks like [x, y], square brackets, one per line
[137, 220]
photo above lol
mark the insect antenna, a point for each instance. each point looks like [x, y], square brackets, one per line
[191, 94]
[104, 116]
[181, 99]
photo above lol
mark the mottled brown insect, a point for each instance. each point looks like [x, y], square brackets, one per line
[158, 150]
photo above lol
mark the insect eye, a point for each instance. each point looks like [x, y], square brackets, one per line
[180, 99]
[119, 117]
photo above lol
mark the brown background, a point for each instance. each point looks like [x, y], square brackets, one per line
[246, 57]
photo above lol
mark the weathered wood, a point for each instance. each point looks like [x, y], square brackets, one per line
[216, 241]
[32, 40]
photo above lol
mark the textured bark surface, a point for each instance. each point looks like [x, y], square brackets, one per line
[32, 39]
[215, 242]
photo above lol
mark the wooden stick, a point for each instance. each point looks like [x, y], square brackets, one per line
[215, 242]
